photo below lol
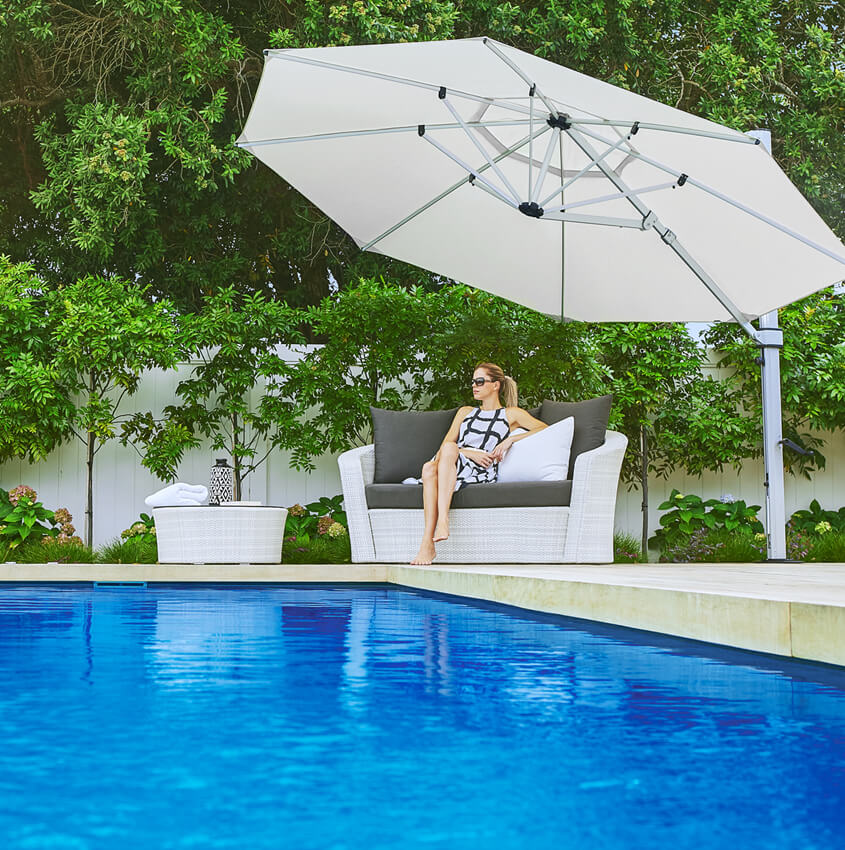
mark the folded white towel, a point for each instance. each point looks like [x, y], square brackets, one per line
[412, 481]
[177, 495]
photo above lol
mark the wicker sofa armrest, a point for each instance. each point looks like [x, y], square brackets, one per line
[589, 538]
[357, 469]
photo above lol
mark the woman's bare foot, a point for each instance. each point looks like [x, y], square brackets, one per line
[426, 554]
[441, 532]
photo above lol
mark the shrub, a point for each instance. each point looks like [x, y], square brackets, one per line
[324, 517]
[69, 551]
[626, 549]
[320, 550]
[143, 530]
[829, 548]
[717, 546]
[134, 550]
[808, 520]
[21, 516]
[689, 514]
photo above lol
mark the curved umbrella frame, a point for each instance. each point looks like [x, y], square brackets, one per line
[488, 177]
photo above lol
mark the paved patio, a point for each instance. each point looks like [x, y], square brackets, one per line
[786, 609]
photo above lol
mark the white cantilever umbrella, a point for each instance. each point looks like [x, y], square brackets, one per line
[579, 199]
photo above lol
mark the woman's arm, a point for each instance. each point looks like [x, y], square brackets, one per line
[518, 418]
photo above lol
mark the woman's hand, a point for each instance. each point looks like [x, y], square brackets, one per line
[484, 459]
[501, 450]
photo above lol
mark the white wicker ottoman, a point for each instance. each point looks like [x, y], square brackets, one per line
[231, 534]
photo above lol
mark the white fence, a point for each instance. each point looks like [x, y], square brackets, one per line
[121, 483]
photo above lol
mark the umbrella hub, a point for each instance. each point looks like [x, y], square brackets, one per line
[561, 120]
[531, 209]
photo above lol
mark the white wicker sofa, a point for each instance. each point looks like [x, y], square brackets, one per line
[567, 522]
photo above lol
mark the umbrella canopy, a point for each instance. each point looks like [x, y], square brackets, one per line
[571, 196]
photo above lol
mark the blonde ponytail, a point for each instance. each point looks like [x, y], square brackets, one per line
[507, 389]
[509, 395]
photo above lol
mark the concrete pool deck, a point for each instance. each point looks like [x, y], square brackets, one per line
[795, 610]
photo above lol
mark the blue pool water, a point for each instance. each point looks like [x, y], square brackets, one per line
[303, 717]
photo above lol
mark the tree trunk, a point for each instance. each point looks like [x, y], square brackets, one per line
[236, 458]
[89, 503]
[644, 486]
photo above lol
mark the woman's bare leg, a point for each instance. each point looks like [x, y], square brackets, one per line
[429, 479]
[447, 474]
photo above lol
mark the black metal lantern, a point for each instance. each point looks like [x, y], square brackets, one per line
[221, 487]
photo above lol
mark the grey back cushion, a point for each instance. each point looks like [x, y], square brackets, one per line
[405, 440]
[591, 417]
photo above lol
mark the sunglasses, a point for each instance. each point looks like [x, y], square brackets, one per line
[480, 382]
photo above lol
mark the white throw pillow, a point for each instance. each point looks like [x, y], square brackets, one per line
[543, 456]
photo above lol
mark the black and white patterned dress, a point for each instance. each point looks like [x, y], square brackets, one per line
[484, 430]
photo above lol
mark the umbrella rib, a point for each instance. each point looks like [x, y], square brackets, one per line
[446, 192]
[666, 128]
[544, 168]
[746, 209]
[609, 221]
[521, 74]
[473, 173]
[618, 195]
[481, 149]
[584, 170]
[344, 134]
[332, 66]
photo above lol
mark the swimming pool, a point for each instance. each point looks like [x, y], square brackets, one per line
[370, 717]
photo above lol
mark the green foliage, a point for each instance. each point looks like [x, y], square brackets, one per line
[22, 516]
[829, 548]
[328, 506]
[105, 336]
[141, 531]
[58, 551]
[140, 549]
[323, 518]
[812, 364]
[235, 337]
[686, 515]
[319, 550]
[626, 549]
[35, 409]
[392, 347]
[691, 421]
[716, 546]
[809, 519]
[547, 358]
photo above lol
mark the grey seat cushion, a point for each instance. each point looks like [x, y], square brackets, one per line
[522, 494]
[405, 439]
[591, 417]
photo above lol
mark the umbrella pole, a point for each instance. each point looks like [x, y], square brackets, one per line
[773, 439]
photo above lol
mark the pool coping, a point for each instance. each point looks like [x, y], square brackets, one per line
[792, 610]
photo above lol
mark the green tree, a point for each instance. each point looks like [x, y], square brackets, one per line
[370, 353]
[236, 340]
[812, 364]
[104, 336]
[673, 415]
[387, 346]
[35, 409]
[547, 358]
[117, 143]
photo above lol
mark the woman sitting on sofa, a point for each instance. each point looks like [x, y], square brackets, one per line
[477, 440]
